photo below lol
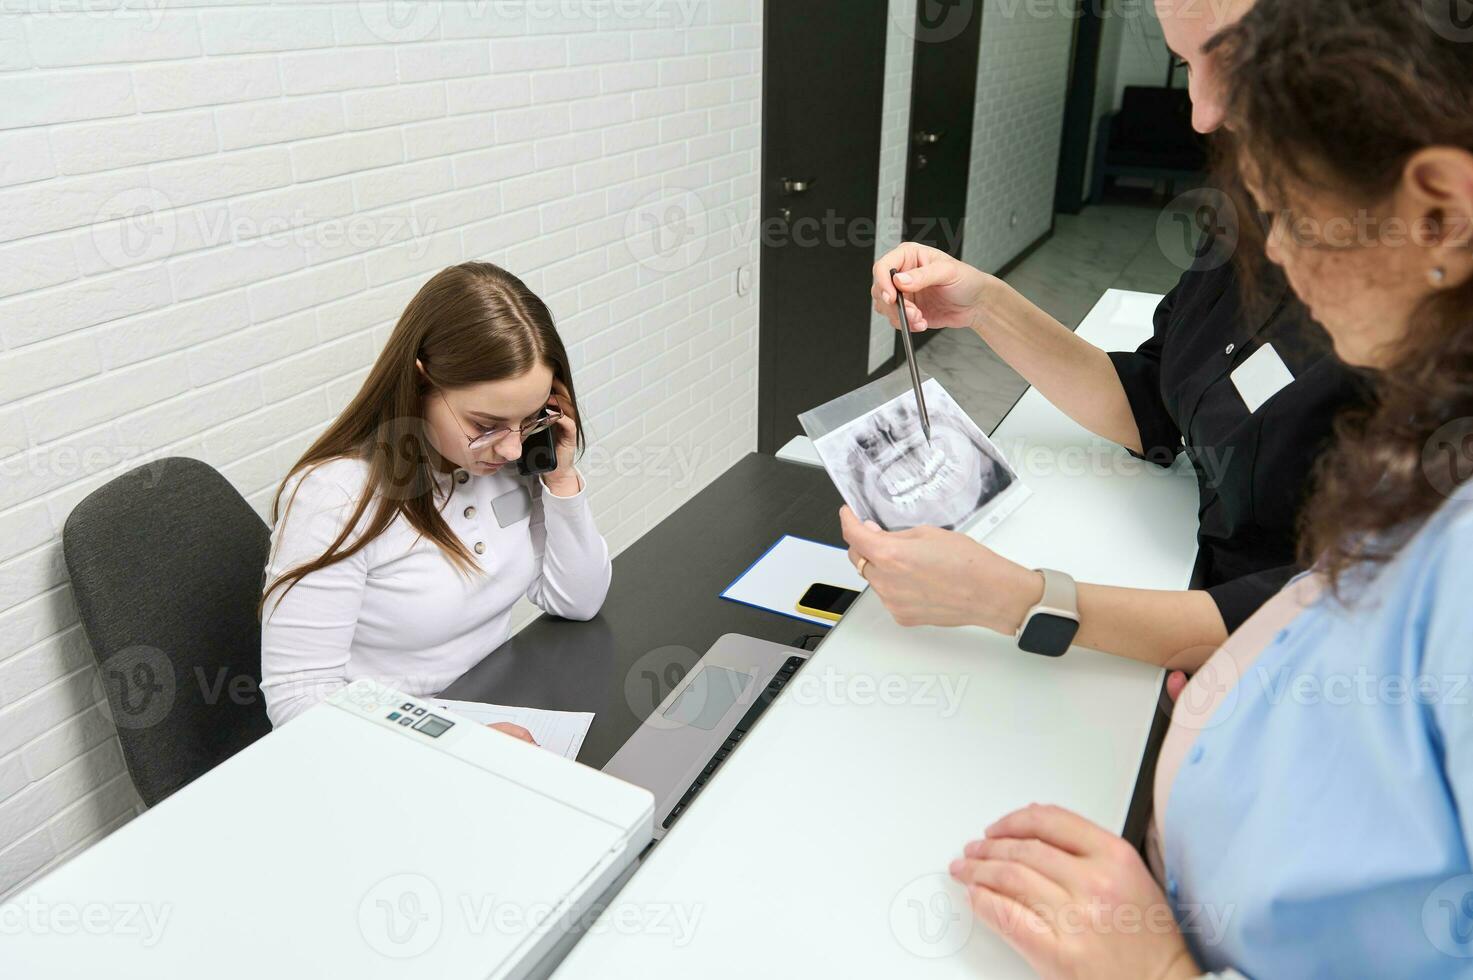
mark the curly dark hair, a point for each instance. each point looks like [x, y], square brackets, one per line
[1336, 96]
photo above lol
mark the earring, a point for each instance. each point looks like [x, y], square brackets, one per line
[1437, 275]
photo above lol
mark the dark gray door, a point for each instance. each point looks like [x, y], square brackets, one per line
[822, 92]
[943, 101]
[1079, 105]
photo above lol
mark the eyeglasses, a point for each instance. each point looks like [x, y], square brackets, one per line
[487, 437]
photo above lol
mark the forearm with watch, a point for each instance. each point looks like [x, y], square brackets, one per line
[1047, 611]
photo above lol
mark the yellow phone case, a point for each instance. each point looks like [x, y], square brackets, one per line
[820, 613]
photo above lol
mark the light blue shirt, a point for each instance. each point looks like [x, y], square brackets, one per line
[1319, 826]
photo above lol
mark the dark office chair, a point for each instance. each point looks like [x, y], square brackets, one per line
[166, 563]
[1150, 137]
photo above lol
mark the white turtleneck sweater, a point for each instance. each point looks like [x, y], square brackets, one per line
[399, 611]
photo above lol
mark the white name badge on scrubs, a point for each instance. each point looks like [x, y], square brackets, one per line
[1261, 376]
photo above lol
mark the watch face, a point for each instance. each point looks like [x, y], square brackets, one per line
[1048, 634]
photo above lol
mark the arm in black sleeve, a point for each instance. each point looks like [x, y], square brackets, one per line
[1239, 598]
[1140, 376]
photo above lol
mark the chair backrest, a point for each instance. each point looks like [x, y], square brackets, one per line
[166, 563]
[1159, 117]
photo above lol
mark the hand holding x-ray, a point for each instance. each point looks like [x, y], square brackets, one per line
[886, 470]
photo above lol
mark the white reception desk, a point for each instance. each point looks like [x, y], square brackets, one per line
[822, 848]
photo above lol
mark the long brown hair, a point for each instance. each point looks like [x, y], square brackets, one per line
[469, 324]
[1336, 96]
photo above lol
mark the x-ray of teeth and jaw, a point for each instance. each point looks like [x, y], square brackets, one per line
[887, 472]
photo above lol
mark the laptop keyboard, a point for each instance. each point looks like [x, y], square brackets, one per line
[779, 681]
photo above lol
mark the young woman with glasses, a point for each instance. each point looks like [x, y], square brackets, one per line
[405, 534]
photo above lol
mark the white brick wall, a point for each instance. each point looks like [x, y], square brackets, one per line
[211, 214]
[894, 157]
[1021, 76]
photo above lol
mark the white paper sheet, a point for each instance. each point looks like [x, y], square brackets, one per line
[779, 578]
[557, 731]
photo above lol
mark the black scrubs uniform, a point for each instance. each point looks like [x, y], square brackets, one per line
[1254, 470]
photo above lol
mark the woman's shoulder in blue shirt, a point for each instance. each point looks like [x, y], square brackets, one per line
[1329, 807]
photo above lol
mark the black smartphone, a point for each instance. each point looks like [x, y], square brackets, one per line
[826, 601]
[539, 453]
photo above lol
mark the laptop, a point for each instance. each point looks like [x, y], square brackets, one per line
[702, 721]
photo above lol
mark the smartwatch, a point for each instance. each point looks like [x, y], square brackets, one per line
[1049, 627]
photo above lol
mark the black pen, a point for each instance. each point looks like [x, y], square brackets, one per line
[910, 356]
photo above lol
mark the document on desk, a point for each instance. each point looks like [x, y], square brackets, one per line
[888, 471]
[778, 579]
[557, 731]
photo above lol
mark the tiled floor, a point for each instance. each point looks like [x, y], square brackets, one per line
[1105, 246]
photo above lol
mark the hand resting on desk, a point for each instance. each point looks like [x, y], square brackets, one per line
[1073, 899]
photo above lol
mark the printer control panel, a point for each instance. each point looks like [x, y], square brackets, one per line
[411, 715]
[394, 709]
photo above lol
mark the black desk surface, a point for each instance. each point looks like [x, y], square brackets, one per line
[664, 608]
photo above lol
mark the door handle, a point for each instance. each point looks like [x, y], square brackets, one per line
[925, 138]
[797, 185]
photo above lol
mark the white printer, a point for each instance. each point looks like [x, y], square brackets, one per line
[373, 836]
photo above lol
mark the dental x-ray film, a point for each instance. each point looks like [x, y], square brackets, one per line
[872, 445]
